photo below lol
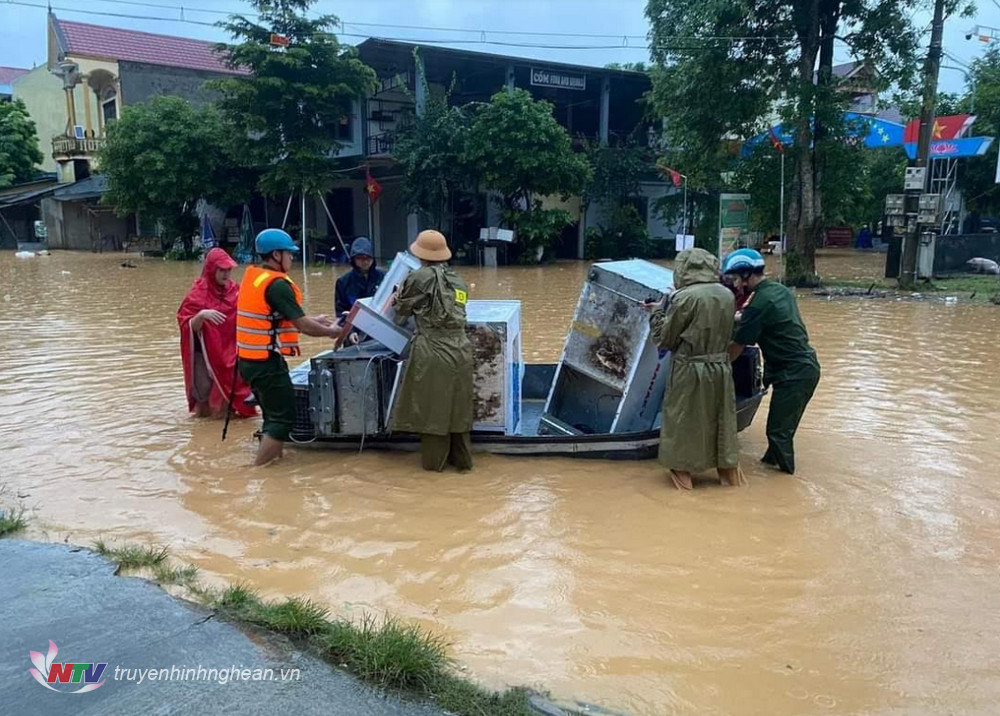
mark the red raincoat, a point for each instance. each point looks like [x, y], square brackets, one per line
[214, 346]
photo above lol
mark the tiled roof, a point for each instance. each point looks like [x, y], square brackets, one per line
[82, 39]
[9, 74]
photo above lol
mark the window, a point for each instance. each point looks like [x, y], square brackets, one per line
[345, 128]
[109, 105]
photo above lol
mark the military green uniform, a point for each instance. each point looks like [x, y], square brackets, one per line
[269, 379]
[437, 394]
[772, 321]
[699, 412]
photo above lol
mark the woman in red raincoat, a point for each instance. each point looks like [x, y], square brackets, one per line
[207, 319]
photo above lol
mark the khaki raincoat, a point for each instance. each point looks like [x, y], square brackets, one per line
[437, 393]
[699, 412]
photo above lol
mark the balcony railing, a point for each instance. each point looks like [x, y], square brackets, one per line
[381, 144]
[71, 146]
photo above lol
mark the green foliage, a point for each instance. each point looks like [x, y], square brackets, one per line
[19, 153]
[161, 157]
[519, 150]
[289, 106]
[170, 574]
[387, 652]
[714, 92]
[132, 556]
[616, 172]
[537, 228]
[624, 236]
[430, 150]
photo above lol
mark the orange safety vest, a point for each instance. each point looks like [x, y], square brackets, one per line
[259, 330]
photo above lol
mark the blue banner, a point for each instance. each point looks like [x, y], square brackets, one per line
[953, 148]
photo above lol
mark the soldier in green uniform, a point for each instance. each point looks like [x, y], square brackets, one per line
[771, 320]
[436, 398]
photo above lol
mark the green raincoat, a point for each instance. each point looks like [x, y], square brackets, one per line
[437, 394]
[699, 412]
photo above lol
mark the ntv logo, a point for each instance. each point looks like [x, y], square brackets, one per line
[46, 672]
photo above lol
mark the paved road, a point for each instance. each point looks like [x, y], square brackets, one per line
[71, 596]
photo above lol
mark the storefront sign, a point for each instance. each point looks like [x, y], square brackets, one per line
[558, 80]
[734, 221]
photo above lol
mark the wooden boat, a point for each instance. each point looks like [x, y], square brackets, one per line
[538, 379]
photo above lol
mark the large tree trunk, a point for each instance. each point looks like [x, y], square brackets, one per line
[803, 217]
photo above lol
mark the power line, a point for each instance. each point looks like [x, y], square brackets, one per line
[414, 40]
[181, 9]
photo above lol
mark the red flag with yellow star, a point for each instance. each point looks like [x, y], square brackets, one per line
[372, 188]
[951, 127]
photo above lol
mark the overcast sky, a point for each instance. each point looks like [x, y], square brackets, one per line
[22, 28]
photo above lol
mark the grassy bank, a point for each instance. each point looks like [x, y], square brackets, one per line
[386, 653]
[12, 513]
[977, 288]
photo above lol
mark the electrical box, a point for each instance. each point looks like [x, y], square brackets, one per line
[611, 377]
[925, 255]
[895, 205]
[349, 391]
[915, 179]
[928, 210]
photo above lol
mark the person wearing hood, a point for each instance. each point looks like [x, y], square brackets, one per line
[437, 395]
[207, 319]
[361, 281]
[699, 411]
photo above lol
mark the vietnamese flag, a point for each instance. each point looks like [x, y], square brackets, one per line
[951, 127]
[775, 142]
[279, 40]
[372, 188]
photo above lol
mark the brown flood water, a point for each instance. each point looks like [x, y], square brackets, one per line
[866, 584]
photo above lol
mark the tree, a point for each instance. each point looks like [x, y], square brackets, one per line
[290, 104]
[430, 150]
[160, 158]
[614, 189]
[19, 153]
[740, 62]
[518, 150]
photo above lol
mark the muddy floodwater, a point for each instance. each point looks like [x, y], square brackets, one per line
[866, 584]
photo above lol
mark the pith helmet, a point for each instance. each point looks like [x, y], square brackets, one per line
[431, 245]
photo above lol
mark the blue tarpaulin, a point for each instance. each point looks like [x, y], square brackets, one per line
[207, 233]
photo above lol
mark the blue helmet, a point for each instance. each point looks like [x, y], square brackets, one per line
[270, 240]
[743, 260]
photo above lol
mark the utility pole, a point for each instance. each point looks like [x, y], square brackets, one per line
[932, 65]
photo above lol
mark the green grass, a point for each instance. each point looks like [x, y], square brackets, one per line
[11, 520]
[977, 287]
[386, 653]
[132, 556]
[169, 574]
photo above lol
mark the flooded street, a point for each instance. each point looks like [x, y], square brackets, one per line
[866, 584]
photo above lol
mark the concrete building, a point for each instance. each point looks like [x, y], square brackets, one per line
[596, 104]
[7, 77]
[91, 73]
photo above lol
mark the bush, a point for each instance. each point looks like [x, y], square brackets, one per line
[625, 237]
[536, 228]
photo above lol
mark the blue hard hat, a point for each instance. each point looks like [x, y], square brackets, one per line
[743, 260]
[270, 240]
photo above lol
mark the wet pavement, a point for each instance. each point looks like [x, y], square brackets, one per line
[72, 597]
[865, 584]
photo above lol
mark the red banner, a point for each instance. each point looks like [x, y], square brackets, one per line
[950, 127]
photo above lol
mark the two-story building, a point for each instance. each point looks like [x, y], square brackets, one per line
[596, 104]
[91, 73]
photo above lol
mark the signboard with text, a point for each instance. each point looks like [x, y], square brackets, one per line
[734, 221]
[558, 80]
